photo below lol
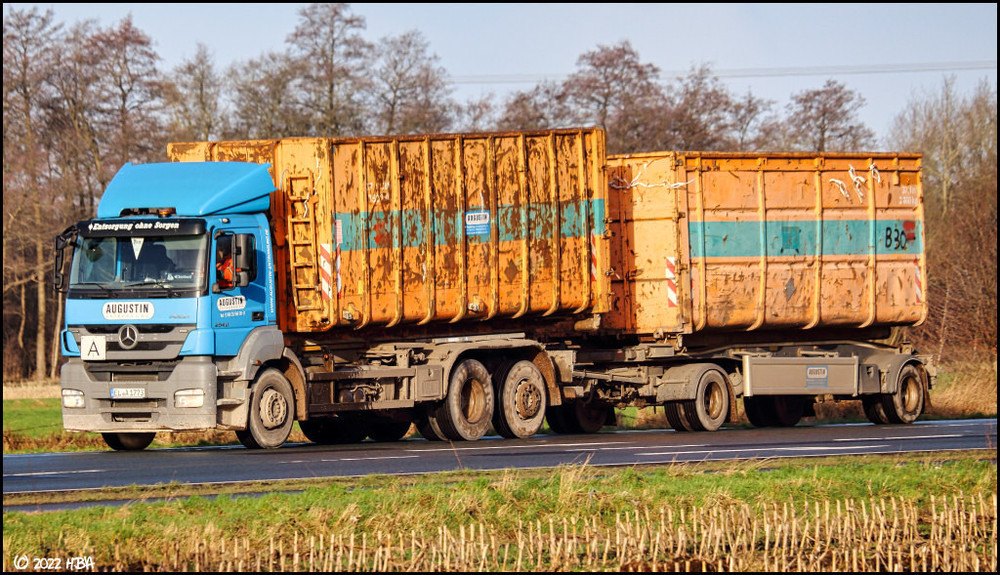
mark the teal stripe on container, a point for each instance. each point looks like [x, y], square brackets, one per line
[382, 230]
[798, 238]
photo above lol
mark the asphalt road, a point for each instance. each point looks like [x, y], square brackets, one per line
[211, 465]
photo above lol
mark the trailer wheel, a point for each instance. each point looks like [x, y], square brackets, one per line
[389, 429]
[128, 441]
[675, 416]
[907, 403]
[874, 411]
[756, 411]
[710, 407]
[467, 410]
[520, 400]
[788, 410]
[272, 408]
[774, 410]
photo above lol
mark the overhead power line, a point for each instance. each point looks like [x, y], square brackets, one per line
[758, 72]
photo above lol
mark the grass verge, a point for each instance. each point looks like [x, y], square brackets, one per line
[759, 515]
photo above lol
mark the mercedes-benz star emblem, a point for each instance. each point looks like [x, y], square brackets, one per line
[128, 336]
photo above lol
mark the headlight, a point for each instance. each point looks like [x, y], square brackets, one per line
[189, 398]
[72, 398]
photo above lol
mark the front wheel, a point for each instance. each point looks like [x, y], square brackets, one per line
[128, 441]
[272, 409]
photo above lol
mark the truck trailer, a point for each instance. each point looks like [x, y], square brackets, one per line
[476, 281]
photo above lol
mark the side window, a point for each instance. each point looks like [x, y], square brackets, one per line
[235, 260]
[225, 270]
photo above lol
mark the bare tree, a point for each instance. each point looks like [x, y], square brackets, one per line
[193, 99]
[29, 57]
[409, 90]
[333, 57]
[613, 89]
[749, 119]
[477, 114]
[543, 107]
[131, 88]
[825, 120]
[700, 111]
[264, 98]
[957, 136]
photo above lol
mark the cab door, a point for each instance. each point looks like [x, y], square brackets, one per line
[238, 288]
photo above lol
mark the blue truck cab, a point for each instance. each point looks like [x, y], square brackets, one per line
[170, 305]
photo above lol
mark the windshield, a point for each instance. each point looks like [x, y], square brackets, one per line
[139, 263]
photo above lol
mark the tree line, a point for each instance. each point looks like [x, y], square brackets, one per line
[81, 100]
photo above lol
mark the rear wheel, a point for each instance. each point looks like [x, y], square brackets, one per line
[128, 441]
[389, 429]
[674, 411]
[272, 408]
[710, 407]
[334, 431]
[467, 410]
[874, 411]
[520, 400]
[907, 403]
[756, 410]
[589, 417]
[788, 410]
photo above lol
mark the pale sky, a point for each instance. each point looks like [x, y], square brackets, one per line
[886, 52]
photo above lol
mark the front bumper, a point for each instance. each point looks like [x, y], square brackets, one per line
[155, 410]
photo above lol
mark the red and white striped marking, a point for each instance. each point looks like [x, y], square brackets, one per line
[593, 256]
[326, 270]
[919, 283]
[671, 273]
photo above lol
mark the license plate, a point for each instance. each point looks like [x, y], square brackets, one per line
[128, 393]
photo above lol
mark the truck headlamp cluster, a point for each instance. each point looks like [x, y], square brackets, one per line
[72, 398]
[189, 398]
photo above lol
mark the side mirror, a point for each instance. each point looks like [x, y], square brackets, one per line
[66, 239]
[245, 258]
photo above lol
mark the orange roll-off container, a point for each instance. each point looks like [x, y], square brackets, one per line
[449, 229]
[739, 242]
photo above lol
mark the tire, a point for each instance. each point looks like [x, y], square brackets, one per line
[787, 409]
[757, 412]
[710, 407]
[272, 412]
[335, 431]
[520, 400]
[774, 410]
[558, 419]
[128, 441]
[428, 426]
[386, 428]
[467, 410]
[874, 411]
[675, 416]
[589, 418]
[907, 403]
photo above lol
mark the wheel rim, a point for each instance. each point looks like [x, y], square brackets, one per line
[910, 394]
[273, 409]
[714, 401]
[473, 401]
[527, 400]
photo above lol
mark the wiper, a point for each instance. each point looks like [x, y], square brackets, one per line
[171, 289]
[98, 284]
[155, 283]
